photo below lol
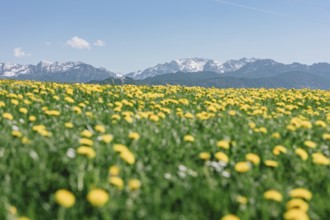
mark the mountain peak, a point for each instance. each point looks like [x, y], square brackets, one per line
[54, 71]
[194, 64]
[191, 64]
[191, 59]
[45, 62]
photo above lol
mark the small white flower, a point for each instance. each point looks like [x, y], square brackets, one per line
[71, 153]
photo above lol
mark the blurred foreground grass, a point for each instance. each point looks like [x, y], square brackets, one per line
[163, 152]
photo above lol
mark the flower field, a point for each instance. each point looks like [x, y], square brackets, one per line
[77, 151]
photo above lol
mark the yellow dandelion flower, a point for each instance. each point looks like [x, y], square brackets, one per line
[306, 124]
[134, 184]
[276, 135]
[100, 128]
[12, 210]
[114, 170]
[212, 108]
[301, 193]
[161, 115]
[223, 144]
[83, 105]
[52, 113]
[263, 130]
[189, 115]
[297, 204]
[86, 151]
[117, 109]
[68, 125]
[69, 99]
[242, 167]
[320, 159]
[65, 198]
[44, 133]
[321, 123]
[271, 163]
[232, 112]
[133, 135]
[106, 138]
[188, 138]
[120, 148]
[273, 195]
[241, 199]
[221, 157]
[310, 144]
[86, 141]
[230, 217]
[16, 133]
[204, 155]
[97, 197]
[89, 114]
[76, 109]
[326, 137]
[116, 181]
[129, 119]
[23, 110]
[32, 118]
[291, 128]
[253, 158]
[25, 140]
[301, 153]
[295, 214]
[8, 116]
[115, 117]
[128, 157]
[279, 149]
[86, 133]
[252, 125]
[38, 128]
[14, 102]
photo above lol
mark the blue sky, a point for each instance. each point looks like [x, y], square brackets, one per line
[128, 35]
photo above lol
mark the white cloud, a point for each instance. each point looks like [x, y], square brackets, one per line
[99, 43]
[78, 43]
[48, 43]
[18, 52]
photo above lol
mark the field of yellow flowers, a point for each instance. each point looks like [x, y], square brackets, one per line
[77, 151]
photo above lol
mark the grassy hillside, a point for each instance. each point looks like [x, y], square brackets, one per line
[287, 80]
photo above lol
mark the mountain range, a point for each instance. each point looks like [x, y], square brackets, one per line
[245, 72]
[72, 72]
[191, 65]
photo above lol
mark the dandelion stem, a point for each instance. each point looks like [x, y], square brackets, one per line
[81, 174]
[207, 176]
[61, 214]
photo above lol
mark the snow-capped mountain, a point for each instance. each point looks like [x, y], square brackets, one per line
[8, 69]
[184, 68]
[184, 65]
[191, 65]
[54, 71]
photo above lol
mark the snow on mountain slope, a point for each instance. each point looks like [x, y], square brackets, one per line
[54, 71]
[58, 66]
[8, 69]
[233, 65]
[81, 72]
[191, 65]
[184, 65]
